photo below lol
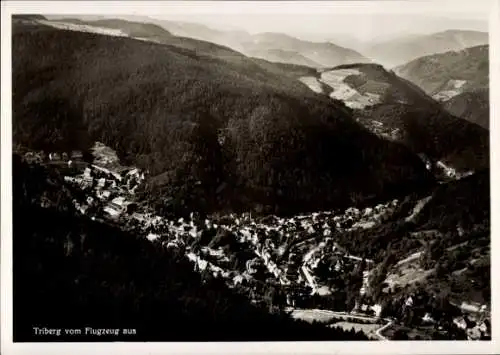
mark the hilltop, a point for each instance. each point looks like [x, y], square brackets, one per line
[474, 106]
[246, 136]
[131, 28]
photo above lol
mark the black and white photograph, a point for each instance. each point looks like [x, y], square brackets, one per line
[248, 172]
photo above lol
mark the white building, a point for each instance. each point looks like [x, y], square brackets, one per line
[460, 322]
[427, 318]
[377, 309]
[101, 183]
[151, 237]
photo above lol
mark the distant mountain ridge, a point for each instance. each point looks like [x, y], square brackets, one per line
[275, 47]
[326, 54]
[399, 51]
[282, 56]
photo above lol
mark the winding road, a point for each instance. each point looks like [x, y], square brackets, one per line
[317, 313]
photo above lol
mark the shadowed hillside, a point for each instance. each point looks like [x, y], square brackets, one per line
[88, 274]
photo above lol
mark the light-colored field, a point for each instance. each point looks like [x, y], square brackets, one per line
[408, 274]
[312, 83]
[342, 91]
[85, 28]
[310, 315]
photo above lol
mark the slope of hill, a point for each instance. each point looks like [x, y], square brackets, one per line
[400, 51]
[92, 276]
[275, 47]
[397, 109]
[474, 106]
[132, 29]
[463, 70]
[242, 134]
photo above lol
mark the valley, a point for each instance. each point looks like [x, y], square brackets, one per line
[296, 188]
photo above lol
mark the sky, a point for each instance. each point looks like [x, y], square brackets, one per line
[360, 20]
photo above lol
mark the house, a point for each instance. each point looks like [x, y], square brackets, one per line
[29, 156]
[101, 183]
[54, 156]
[367, 212]
[119, 201]
[484, 327]
[377, 309]
[409, 302]
[134, 171]
[112, 210]
[470, 307]
[152, 237]
[427, 318]
[103, 194]
[76, 155]
[87, 173]
[460, 322]
[474, 333]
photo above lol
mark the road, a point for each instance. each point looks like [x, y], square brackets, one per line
[379, 331]
[327, 313]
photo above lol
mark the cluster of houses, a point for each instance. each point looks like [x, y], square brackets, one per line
[268, 237]
[474, 320]
[108, 187]
[41, 157]
[380, 129]
[450, 172]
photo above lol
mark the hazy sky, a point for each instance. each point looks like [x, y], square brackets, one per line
[363, 20]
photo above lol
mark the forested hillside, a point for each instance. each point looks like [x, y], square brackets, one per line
[245, 135]
[90, 274]
[474, 106]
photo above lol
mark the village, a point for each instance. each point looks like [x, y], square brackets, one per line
[286, 252]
